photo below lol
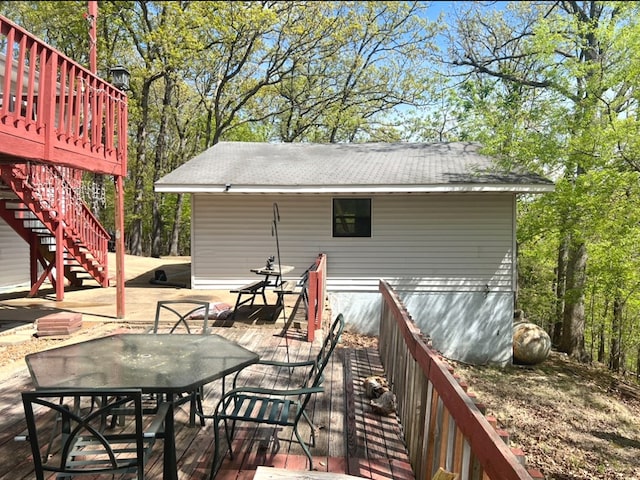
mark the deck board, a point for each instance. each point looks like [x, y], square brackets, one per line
[349, 439]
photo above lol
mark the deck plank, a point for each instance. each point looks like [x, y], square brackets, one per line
[351, 439]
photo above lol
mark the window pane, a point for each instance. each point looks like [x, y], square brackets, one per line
[351, 217]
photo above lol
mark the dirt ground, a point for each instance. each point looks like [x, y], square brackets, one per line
[573, 421]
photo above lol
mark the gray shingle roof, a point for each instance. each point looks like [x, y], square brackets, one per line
[247, 166]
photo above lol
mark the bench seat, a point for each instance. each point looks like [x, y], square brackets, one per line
[250, 291]
[251, 287]
[291, 287]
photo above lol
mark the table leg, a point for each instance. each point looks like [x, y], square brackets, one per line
[170, 463]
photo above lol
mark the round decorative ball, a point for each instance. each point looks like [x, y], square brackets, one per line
[531, 344]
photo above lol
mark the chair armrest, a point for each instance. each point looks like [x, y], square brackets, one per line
[272, 391]
[273, 363]
[277, 363]
[157, 424]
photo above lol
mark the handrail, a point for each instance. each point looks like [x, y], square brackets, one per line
[55, 194]
[443, 427]
[57, 110]
[317, 288]
[59, 187]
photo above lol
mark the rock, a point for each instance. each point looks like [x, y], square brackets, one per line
[385, 405]
[375, 386]
[531, 344]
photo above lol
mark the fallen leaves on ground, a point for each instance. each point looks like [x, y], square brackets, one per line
[573, 421]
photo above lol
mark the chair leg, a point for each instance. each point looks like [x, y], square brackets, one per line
[229, 436]
[312, 426]
[216, 449]
[304, 446]
[195, 405]
[198, 405]
[218, 458]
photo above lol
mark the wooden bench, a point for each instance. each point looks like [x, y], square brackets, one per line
[250, 290]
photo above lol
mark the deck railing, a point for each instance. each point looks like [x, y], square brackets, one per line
[58, 190]
[54, 110]
[317, 291]
[442, 425]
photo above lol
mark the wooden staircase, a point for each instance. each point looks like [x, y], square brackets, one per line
[41, 202]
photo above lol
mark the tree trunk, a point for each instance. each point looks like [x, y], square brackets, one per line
[573, 319]
[159, 167]
[97, 196]
[603, 335]
[177, 225]
[603, 339]
[616, 326]
[561, 285]
[137, 207]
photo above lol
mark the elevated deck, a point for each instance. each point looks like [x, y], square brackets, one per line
[57, 121]
[54, 110]
[350, 438]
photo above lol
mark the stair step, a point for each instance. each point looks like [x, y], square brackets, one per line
[35, 225]
[16, 206]
[37, 210]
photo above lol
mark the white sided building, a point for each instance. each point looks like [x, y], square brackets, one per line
[435, 220]
[14, 258]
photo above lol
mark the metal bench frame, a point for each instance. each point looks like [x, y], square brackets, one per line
[251, 290]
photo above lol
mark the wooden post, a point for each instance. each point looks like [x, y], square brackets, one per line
[93, 37]
[312, 290]
[119, 221]
[59, 260]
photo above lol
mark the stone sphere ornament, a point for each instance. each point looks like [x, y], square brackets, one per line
[531, 344]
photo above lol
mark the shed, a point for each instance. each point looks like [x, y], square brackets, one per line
[435, 220]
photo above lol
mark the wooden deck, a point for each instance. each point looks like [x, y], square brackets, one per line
[349, 437]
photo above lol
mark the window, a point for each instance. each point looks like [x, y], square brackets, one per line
[351, 217]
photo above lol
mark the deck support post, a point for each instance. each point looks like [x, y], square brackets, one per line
[119, 224]
[59, 262]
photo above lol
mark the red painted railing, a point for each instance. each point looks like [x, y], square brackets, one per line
[53, 110]
[317, 291]
[53, 194]
[443, 427]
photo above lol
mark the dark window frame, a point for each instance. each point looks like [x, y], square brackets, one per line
[351, 217]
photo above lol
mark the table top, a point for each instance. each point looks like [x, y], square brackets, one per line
[275, 270]
[156, 363]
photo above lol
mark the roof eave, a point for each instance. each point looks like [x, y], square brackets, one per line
[356, 189]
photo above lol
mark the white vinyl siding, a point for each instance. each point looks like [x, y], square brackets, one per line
[419, 243]
[14, 258]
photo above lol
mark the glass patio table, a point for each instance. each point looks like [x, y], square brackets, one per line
[167, 364]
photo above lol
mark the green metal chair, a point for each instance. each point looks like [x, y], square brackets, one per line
[70, 435]
[182, 316]
[273, 406]
[190, 317]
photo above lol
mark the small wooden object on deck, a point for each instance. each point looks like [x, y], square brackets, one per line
[272, 473]
[442, 474]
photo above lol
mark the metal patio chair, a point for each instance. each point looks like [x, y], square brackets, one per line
[182, 316]
[73, 437]
[274, 406]
[190, 317]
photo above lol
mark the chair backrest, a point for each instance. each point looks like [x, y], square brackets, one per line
[182, 316]
[315, 376]
[70, 430]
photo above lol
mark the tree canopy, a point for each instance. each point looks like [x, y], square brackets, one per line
[549, 85]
